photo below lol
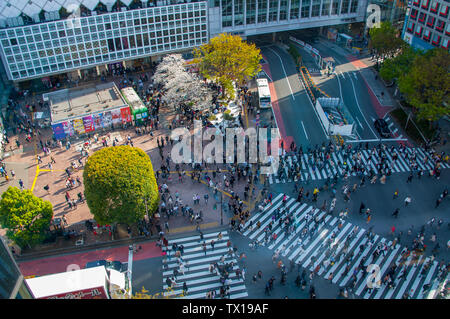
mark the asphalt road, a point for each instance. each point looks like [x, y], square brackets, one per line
[299, 118]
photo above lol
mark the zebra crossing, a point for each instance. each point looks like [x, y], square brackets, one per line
[196, 263]
[295, 168]
[338, 251]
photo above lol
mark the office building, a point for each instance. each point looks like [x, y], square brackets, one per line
[40, 38]
[427, 24]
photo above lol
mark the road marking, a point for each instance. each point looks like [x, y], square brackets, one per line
[359, 107]
[285, 75]
[305, 131]
[343, 75]
[379, 140]
[359, 122]
[315, 111]
[354, 74]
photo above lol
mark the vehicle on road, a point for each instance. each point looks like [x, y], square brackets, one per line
[382, 127]
[116, 265]
[264, 98]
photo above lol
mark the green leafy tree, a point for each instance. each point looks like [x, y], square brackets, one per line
[395, 67]
[427, 85]
[120, 185]
[384, 40]
[227, 59]
[26, 217]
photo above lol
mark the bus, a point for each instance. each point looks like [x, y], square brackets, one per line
[263, 93]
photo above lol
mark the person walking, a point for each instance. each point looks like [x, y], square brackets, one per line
[185, 289]
[212, 244]
[166, 226]
[361, 208]
[395, 194]
[407, 200]
[410, 177]
[204, 247]
[21, 183]
[395, 213]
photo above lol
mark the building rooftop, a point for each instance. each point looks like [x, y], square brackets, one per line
[82, 101]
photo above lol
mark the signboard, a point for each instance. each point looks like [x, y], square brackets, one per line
[78, 126]
[98, 121]
[107, 119]
[126, 114]
[116, 116]
[58, 131]
[68, 128]
[90, 293]
[88, 124]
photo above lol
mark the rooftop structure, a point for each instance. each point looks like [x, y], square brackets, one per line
[73, 103]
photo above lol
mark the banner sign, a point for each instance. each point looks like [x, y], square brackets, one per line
[68, 128]
[88, 124]
[58, 130]
[116, 116]
[107, 119]
[78, 126]
[126, 114]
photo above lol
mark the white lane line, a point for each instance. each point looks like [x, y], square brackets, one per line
[354, 74]
[305, 131]
[359, 107]
[285, 75]
[357, 119]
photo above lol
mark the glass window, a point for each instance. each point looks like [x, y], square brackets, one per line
[354, 6]
[295, 9]
[305, 8]
[238, 12]
[262, 11]
[315, 9]
[273, 10]
[345, 6]
[335, 7]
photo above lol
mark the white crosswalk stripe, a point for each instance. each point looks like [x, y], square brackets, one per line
[339, 162]
[342, 252]
[196, 267]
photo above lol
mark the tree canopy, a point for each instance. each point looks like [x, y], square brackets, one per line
[119, 182]
[180, 85]
[227, 59]
[26, 217]
[384, 40]
[399, 65]
[427, 85]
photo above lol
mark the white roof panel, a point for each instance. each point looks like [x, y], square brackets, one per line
[106, 2]
[19, 4]
[71, 5]
[90, 4]
[31, 9]
[10, 12]
[51, 6]
[55, 284]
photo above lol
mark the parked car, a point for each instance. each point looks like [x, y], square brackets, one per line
[382, 127]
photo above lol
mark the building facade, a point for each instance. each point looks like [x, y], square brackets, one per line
[427, 24]
[12, 284]
[39, 38]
